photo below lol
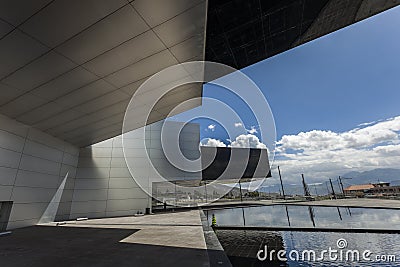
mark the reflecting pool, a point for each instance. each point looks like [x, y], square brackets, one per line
[308, 216]
[243, 245]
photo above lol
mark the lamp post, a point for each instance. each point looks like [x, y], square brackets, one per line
[343, 178]
[333, 191]
[205, 190]
[240, 189]
[280, 178]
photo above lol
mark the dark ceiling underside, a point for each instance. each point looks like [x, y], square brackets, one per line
[243, 32]
[69, 68]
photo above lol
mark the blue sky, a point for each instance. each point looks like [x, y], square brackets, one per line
[326, 89]
[338, 81]
[335, 82]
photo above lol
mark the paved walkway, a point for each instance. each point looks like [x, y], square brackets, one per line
[170, 239]
[173, 239]
[180, 229]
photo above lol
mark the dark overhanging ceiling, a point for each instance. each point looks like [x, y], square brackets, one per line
[69, 67]
[243, 32]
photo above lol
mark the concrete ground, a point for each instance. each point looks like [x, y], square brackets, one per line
[181, 229]
[173, 239]
[169, 239]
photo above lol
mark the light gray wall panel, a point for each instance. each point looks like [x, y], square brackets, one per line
[71, 149]
[69, 159]
[11, 141]
[117, 153]
[90, 183]
[13, 126]
[124, 193]
[87, 207]
[27, 211]
[71, 170]
[7, 176]
[31, 195]
[46, 139]
[122, 183]
[94, 162]
[67, 194]
[36, 179]
[94, 173]
[9, 158]
[96, 152]
[118, 163]
[30, 163]
[5, 192]
[120, 173]
[69, 185]
[42, 151]
[103, 174]
[64, 209]
[121, 213]
[32, 166]
[90, 195]
[127, 204]
[21, 223]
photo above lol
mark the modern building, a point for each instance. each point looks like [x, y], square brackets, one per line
[69, 69]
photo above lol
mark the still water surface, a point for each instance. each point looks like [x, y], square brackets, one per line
[242, 246]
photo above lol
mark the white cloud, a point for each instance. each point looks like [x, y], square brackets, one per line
[326, 154]
[368, 123]
[252, 130]
[247, 141]
[243, 141]
[211, 127]
[212, 142]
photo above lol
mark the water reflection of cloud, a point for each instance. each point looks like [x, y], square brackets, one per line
[324, 217]
[300, 217]
[377, 243]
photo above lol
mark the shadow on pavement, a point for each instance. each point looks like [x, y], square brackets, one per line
[73, 246]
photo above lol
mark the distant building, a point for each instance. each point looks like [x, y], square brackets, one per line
[381, 184]
[377, 189]
[384, 189]
[358, 190]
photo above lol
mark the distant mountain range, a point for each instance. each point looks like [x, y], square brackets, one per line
[382, 175]
[373, 176]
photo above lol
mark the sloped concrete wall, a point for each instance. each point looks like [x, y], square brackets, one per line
[32, 166]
